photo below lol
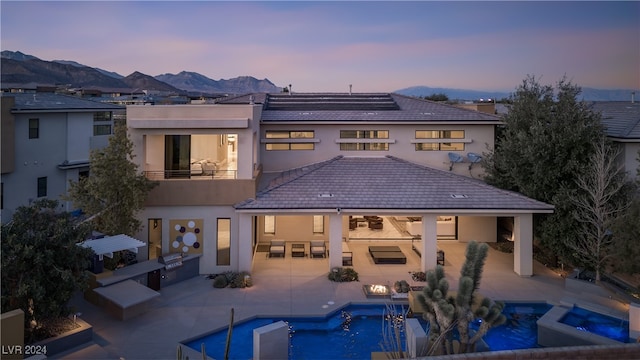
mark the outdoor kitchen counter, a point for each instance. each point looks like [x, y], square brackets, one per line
[139, 271]
[126, 299]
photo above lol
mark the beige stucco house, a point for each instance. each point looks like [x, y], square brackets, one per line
[300, 167]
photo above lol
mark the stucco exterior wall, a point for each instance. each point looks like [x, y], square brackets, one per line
[40, 157]
[79, 128]
[631, 161]
[402, 146]
[209, 216]
[478, 228]
[293, 228]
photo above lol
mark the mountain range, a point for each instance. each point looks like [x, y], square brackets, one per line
[18, 68]
[21, 69]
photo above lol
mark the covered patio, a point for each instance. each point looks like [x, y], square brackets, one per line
[379, 186]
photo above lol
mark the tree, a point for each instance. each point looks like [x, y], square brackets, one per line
[42, 267]
[437, 97]
[114, 191]
[446, 312]
[626, 232]
[546, 142]
[602, 196]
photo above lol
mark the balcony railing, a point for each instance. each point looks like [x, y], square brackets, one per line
[192, 175]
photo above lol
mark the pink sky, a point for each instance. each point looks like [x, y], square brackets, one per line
[325, 46]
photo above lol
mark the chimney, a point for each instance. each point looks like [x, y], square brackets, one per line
[251, 101]
[633, 97]
[350, 89]
[289, 89]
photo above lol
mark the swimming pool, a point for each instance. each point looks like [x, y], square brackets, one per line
[520, 331]
[603, 325]
[355, 331]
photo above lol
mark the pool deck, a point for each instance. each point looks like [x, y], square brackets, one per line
[290, 286]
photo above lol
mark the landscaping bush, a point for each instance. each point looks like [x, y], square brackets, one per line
[339, 274]
[231, 279]
[401, 286]
[220, 282]
[419, 276]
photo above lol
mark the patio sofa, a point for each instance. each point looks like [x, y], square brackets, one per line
[318, 248]
[277, 248]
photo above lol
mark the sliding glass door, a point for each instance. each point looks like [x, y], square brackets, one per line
[177, 157]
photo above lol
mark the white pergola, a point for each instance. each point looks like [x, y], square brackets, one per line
[106, 246]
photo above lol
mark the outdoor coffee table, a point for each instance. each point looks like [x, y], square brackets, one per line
[298, 250]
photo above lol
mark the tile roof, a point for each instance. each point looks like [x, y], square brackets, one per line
[360, 183]
[370, 107]
[27, 102]
[620, 118]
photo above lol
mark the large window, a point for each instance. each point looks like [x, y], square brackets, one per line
[42, 186]
[318, 224]
[269, 224]
[438, 140]
[200, 155]
[102, 123]
[297, 141]
[34, 128]
[223, 242]
[364, 134]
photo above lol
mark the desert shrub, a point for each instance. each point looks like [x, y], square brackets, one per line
[419, 276]
[339, 274]
[231, 279]
[220, 282]
[401, 286]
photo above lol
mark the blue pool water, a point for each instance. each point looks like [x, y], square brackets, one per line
[355, 331]
[520, 331]
[607, 326]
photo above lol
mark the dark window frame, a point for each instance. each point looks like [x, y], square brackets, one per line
[42, 186]
[34, 128]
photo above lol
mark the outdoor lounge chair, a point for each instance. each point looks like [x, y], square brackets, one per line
[318, 248]
[276, 248]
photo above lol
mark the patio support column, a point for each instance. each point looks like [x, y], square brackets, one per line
[335, 240]
[429, 250]
[245, 251]
[523, 245]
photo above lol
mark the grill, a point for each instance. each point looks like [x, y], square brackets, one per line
[171, 261]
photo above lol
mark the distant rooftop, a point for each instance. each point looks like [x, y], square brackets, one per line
[621, 119]
[28, 102]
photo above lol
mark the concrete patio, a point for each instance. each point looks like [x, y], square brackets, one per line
[288, 286]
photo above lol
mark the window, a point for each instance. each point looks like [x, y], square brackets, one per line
[177, 156]
[102, 123]
[297, 144]
[223, 242]
[42, 186]
[34, 128]
[440, 138]
[269, 224]
[364, 134]
[318, 224]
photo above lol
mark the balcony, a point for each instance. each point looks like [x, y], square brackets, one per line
[219, 188]
[199, 174]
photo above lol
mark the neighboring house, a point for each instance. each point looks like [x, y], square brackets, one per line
[46, 141]
[301, 167]
[621, 120]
